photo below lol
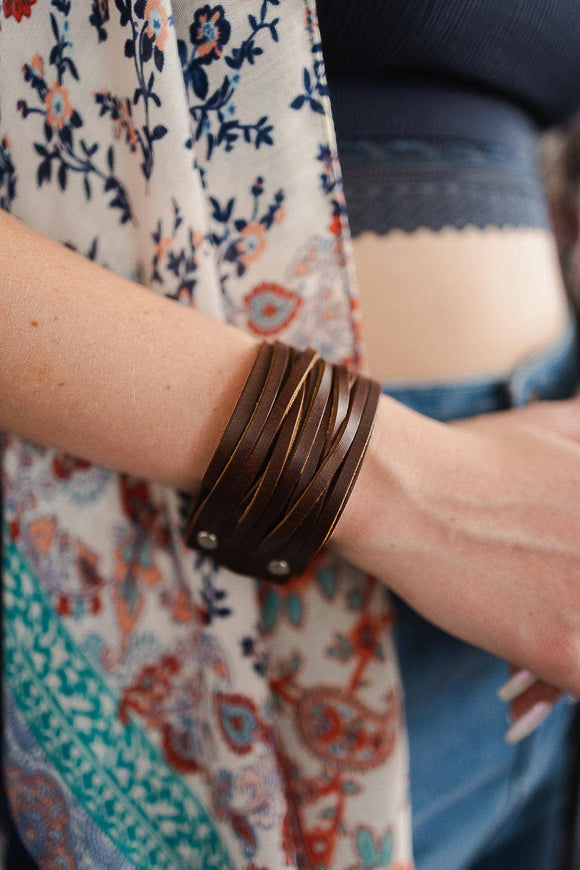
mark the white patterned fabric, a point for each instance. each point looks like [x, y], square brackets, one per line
[161, 711]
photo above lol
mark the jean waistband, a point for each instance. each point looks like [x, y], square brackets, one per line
[550, 373]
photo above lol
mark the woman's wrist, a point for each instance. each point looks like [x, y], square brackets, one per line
[372, 484]
[383, 514]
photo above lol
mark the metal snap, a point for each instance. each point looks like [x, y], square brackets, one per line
[207, 540]
[278, 567]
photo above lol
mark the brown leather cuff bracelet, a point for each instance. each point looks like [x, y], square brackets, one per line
[285, 465]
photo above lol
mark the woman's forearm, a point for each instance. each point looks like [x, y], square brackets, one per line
[474, 525]
[100, 367]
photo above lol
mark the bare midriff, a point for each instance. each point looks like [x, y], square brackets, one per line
[458, 302]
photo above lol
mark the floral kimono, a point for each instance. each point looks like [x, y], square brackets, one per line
[161, 711]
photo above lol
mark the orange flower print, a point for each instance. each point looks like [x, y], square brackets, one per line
[161, 248]
[310, 20]
[280, 215]
[252, 243]
[270, 307]
[41, 534]
[132, 137]
[320, 846]
[156, 18]
[37, 64]
[367, 634]
[121, 116]
[183, 608]
[209, 31]
[335, 226]
[18, 8]
[124, 124]
[197, 239]
[58, 106]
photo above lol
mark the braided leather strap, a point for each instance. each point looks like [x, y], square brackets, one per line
[285, 465]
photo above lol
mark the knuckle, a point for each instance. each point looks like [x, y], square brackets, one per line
[560, 658]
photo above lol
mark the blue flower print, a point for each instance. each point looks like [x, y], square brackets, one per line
[99, 17]
[314, 80]
[7, 174]
[215, 116]
[149, 24]
[62, 144]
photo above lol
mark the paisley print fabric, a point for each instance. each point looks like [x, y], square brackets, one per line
[160, 711]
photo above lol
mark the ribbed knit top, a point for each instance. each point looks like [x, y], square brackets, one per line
[524, 53]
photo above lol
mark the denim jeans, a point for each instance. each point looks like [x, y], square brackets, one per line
[479, 803]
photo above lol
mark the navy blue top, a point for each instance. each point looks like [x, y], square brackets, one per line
[521, 53]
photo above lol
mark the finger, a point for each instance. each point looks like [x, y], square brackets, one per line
[520, 680]
[531, 700]
[526, 724]
[538, 693]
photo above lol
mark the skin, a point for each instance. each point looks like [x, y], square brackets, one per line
[475, 524]
[447, 515]
[100, 367]
[457, 303]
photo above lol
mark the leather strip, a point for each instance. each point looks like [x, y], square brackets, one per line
[334, 411]
[300, 463]
[211, 511]
[294, 518]
[243, 409]
[279, 409]
[245, 403]
[271, 475]
[339, 410]
[341, 487]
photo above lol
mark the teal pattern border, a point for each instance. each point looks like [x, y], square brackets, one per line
[115, 773]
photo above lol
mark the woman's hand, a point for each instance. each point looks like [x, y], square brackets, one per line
[530, 700]
[476, 524]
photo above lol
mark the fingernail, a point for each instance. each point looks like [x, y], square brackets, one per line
[520, 681]
[527, 723]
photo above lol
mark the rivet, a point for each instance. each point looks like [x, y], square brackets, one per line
[207, 540]
[278, 567]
